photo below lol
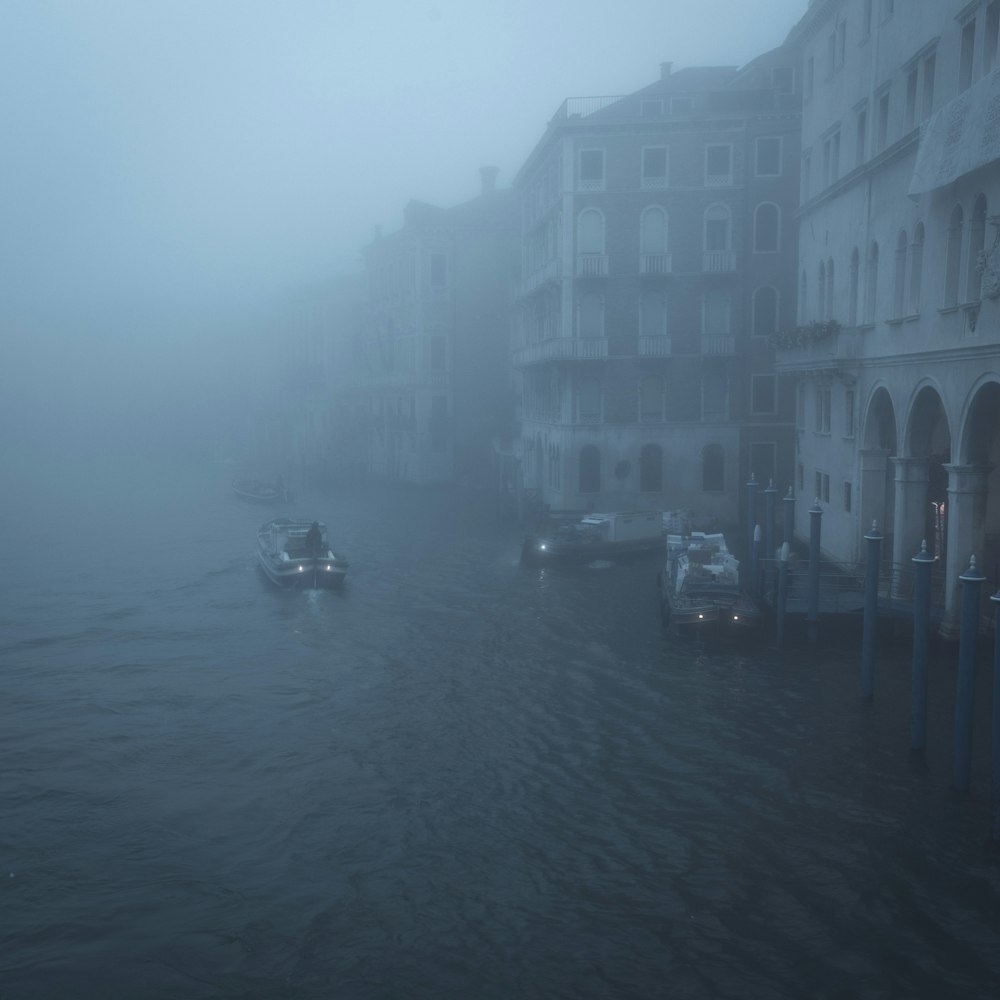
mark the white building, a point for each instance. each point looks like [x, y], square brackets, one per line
[897, 347]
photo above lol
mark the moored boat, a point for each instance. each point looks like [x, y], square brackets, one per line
[261, 491]
[700, 588]
[596, 536]
[297, 553]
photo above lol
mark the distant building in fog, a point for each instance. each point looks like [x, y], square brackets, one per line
[899, 397]
[658, 260]
[435, 385]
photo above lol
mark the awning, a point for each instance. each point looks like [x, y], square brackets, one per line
[962, 136]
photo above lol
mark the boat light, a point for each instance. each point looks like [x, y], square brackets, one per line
[302, 569]
[543, 546]
[328, 566]
[736, 618]
[700, 615]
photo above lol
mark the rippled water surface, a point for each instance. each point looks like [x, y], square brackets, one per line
[456, 778]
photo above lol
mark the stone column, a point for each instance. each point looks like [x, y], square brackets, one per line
[966, 532]
[873, 503]
[909, 518]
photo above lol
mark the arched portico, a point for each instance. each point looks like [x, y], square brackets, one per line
[877, 471]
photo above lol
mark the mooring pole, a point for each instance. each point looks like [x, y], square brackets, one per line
[968, 629]
[923, 561]
[751, 512]
[755, 563]
[789, 527]
[769, 496]
[995, 756]
[812, 606]
[782, 594]
[870, 627]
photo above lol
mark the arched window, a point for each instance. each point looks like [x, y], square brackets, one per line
[852, 317]
[916, 267]
[899, 284]
[766, 228]
[590, 469]
[953, 262]
[871, 283]
[828, 311]
[821, 291]
[590, 231]
[653, 230]
[651, 469]
[651, 399]
[653, 314]
[977, 240]
[765, 311]
[713, 469]
[589, 401]
[717, 230]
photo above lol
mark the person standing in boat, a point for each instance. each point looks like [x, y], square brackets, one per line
[314, 539]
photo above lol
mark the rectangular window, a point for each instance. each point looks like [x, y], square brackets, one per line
[768, 156]
[847, 496]
[809, 78]
[654, 167]
[927, 106]
[866, 19]
[822, 483]
[992, 36]
[831, 158]
[910, 112]
[823, 410]
[882, 125]
[591, 169]
[968, 52]
[800, 477]
[718, 165]
[841, 42]
[861, 140]
[438, 272]
[762, 461]
[800, 407]
[763, 394]
[831, 53]
[849, 413]
[806, 168]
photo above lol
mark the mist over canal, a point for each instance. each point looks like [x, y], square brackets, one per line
[458, 777]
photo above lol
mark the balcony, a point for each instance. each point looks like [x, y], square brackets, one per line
[718, 343]
[592, 265]
[718, 262]
[817, 346]
[562, 349]
[551, 270]
[654, 347]
[656, 263]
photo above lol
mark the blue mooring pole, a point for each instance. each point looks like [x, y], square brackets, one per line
[968, 629]
[874, 540]
[812, 605]
[923, 561]
[782, 594]
[789, 527]
[995, 756]
[751, 514]
[755, 563]
[769, 495]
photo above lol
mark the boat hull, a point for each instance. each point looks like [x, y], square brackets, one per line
[302, 574]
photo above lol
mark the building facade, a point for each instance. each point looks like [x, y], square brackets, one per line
[434, 386]
[657, 262]
[897, 346]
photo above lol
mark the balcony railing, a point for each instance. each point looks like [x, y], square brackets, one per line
[718, 180]
[562, 349]
[654, 347]
[591, 265]
[718, 343]
[718, 261]
[656, 263]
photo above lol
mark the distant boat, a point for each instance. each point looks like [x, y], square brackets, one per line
[261, 491]
[699, 587]
[297, 553]
[596, 536]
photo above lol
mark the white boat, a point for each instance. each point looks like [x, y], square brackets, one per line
[297, 553]
[596, 536]
[700, 586]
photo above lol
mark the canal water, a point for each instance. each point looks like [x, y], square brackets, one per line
[456, 778]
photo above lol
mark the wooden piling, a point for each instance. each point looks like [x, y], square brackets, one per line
[923, 561]
[874, 540]
[972, 580]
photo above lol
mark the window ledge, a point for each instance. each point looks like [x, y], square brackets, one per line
[969, 306]
[896, 321]
[947, 310]
[912, 318]
[864, 327]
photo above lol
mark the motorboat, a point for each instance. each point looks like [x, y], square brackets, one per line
[595, 536]
[261, 491]
[699, 587]
[294, 552]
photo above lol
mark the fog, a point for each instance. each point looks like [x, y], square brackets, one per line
[171, 169]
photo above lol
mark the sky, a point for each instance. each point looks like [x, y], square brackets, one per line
[168, 163]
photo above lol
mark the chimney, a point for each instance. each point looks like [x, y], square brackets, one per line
[665, 68]
[489, 177]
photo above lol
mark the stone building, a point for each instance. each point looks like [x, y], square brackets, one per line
[897, 346]
[658, 258]
[433, 390]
